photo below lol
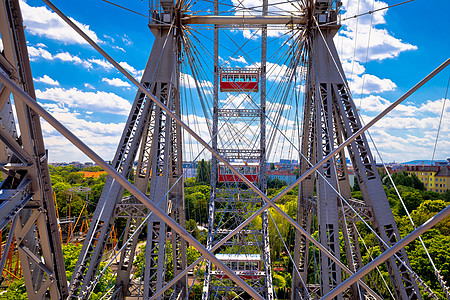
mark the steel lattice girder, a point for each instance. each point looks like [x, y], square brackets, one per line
[359, 132]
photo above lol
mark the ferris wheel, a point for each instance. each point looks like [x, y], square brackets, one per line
[240, 84]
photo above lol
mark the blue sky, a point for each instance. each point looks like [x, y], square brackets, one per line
[91, 98]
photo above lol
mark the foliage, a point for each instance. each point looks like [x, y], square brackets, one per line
[203, 172]
[16, 290]
[275, 183]
[402, 178]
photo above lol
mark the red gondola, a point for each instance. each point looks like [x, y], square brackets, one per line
[239, 80]
[249, 170]
[246, 266]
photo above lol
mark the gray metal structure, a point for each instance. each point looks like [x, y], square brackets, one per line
[153, 136]
[26, 193]
[330, 116]
[230, 203]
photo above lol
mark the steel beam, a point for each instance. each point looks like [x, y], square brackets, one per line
[389, 253]
[37, 108]
[244, 20]
[309, 172]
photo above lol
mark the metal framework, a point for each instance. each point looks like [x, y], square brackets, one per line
[26, 192]
[152, 135]
[330, 116]
[230, 203]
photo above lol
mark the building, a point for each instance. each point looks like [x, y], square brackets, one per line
[435, 178]
[441, 180]
[189, 169]
[286, 176]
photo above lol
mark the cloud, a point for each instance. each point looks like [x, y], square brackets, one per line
[93, 101]
[127, 40]
[116, 82]
[47, 80]
[409, 131]
[188, 81]
[136, 73]
[101, 137]
[42, 22]
[36, 53]
[101, 63]
[67, 57]
[277, 106]
[362, 32]
[89, 86]
[368, 84]
[239, 59]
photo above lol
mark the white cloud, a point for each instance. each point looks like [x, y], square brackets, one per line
[67, 57]
[116, 82]
[47, 80]
[368, 84]
[101, 63]
[188, 81]
[93, 101]
[352, 67]
[409, 131]
[118, 48]
[239, 59]
[36, 53]
[127, 40]
[101, 137]
[89, 86]
[43, 22]
[277, 106]
[382, 44]
[136, 73]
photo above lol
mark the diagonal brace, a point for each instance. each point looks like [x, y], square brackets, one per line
[216, 154]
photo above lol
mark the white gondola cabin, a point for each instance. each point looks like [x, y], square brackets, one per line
[239, 80]
[246, 266]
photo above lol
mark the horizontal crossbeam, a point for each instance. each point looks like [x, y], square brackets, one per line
[244, 20]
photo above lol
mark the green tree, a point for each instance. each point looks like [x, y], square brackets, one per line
[203, 172]
[402, 178]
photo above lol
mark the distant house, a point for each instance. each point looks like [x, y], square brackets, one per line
[435, 178]
[92, 174]
[189, 169]
[287, 176]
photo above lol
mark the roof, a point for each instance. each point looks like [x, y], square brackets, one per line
[88, 174]
[238, 257]
[443, 172]
[423, 168]
[241, 164]
[283, 173]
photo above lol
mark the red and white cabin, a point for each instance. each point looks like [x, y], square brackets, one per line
[246, 266]
[249, 170]
[239, 80]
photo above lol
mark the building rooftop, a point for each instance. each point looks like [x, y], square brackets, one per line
[444, 171]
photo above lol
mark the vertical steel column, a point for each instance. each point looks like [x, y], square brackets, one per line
[263, 161]
[214, 162]
[27, 185]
